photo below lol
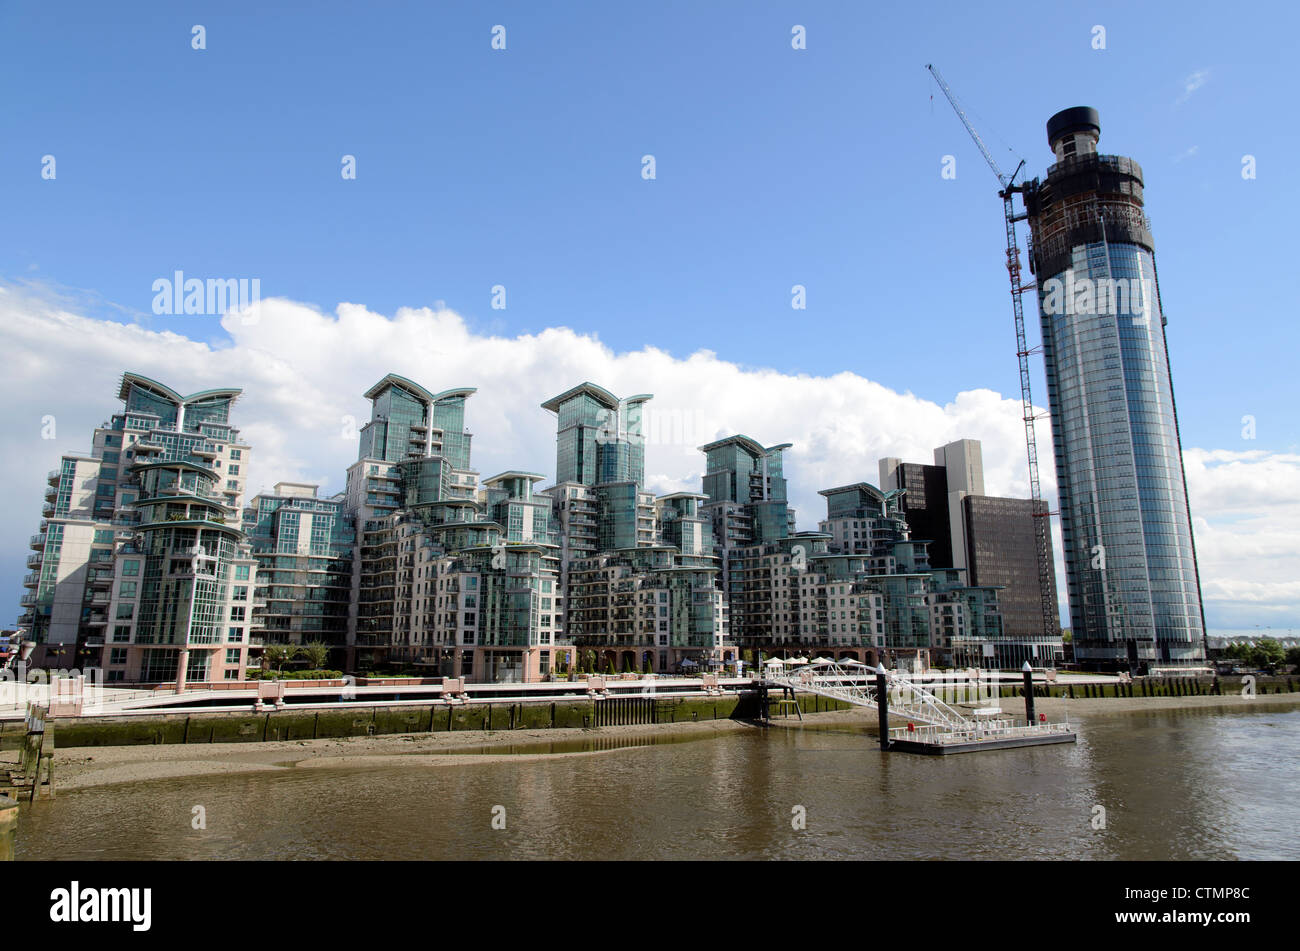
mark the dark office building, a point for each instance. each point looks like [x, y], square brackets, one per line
[1002, 550]
[925, 506]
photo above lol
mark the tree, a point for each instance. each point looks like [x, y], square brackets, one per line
[1237, 652]
[280, 654]
[1267, 652]
[317, 654]
[1293, 657]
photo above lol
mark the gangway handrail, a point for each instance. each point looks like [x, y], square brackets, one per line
[910, 700]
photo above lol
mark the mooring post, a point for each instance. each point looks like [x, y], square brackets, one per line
[882, 707]
[1029, 693]
[8, 827]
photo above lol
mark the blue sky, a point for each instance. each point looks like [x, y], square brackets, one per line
[775, 167]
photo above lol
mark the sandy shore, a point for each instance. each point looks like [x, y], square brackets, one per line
[82, 767]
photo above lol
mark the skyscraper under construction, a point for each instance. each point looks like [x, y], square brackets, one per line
[1134, 590]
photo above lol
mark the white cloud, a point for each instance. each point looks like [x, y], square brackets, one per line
[1192, 83]
[1246, 508]
[303, 373]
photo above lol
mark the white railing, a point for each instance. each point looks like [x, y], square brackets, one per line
[857, 686]
[998, 730]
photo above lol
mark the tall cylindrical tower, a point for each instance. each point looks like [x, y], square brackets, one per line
[1126, 528]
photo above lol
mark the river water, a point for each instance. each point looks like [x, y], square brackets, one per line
[1191, 784]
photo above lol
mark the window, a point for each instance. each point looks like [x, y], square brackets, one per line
[233, 470]
[125, 612]
[235, 634]
[232, 655]
[241, 572]
[237, 613]
[126, 590]
[117, 656]
[130, 568]
[235, 454]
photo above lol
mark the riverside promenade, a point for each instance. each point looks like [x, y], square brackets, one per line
[268, 711]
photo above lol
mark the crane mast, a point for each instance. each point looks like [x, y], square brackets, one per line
[1042, 517]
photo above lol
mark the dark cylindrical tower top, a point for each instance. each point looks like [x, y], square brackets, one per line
[1069, 121]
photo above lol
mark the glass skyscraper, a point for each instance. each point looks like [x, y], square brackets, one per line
[142, 569]
[599, 439]
[1130, 559]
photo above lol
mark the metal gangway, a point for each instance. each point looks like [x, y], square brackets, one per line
[856, 684]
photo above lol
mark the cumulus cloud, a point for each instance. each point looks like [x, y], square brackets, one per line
[303, 373]
[1246, 508]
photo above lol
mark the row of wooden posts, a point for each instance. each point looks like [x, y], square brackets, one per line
[36, 757]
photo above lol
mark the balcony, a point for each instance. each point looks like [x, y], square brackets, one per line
[53, 476]
[47, 509]
[28, 600]
[34, 561]
[32, 580]
[37, 542]
[51, 493]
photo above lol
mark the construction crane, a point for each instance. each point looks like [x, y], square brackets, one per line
[1042, 517]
